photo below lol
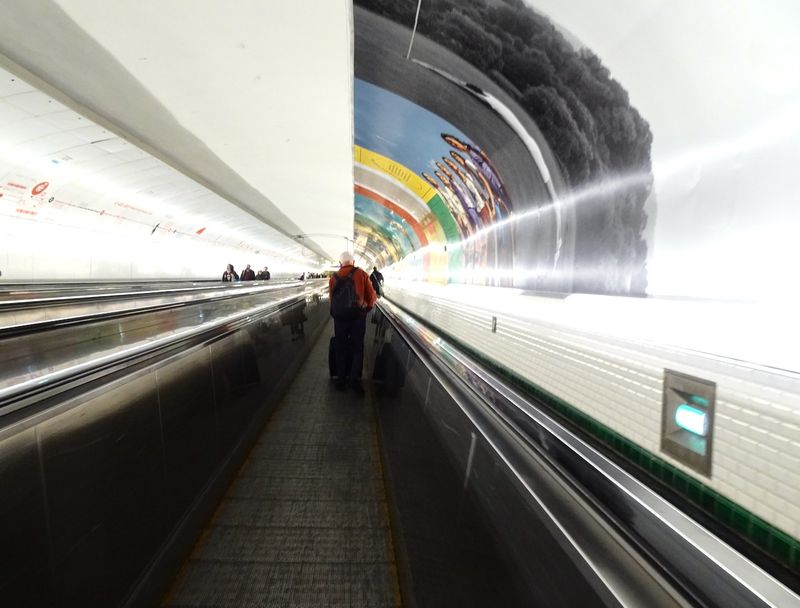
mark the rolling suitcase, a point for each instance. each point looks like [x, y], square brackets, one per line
[332, 359]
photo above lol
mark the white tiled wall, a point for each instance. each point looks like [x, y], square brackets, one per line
[618, 381]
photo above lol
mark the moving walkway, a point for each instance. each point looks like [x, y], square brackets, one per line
[120, 433]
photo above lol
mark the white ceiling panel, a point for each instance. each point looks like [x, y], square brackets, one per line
[9, 113]
[35, 103]
[91, 133]
[99, 164]
[65, 120]
[130, 154]
[54, 145]
[252, 98]
[81, 153]
[27, 129]
[11, 85]
[112, 144]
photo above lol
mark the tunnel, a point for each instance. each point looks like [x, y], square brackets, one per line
[570, 234]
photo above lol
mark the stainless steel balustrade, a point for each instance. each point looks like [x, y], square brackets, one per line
[33, 361]
[108, 477]
[634, 547]
[10, 288]
[29, 310]
[10, 292]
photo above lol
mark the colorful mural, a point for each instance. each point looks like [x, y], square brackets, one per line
[460, 235]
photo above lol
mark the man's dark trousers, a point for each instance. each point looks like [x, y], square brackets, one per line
[350, 344]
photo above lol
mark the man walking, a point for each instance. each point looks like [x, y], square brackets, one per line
[376, 278]
[352, 297]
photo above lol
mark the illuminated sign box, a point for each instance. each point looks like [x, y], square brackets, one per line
[687, 421]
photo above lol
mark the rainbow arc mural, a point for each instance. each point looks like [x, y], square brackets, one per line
[426, 196]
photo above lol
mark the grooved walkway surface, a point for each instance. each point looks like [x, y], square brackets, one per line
[305, 522]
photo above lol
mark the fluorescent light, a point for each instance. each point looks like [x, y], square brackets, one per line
[692, 419]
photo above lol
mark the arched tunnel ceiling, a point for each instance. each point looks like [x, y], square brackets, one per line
[450, 190]
[635, 145]
[236, 97]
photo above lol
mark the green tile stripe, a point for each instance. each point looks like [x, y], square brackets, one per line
[760, 533]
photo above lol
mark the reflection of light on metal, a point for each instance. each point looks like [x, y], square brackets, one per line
[604, 188]
[583, 196]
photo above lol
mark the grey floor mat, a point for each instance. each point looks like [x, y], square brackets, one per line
[305, 523]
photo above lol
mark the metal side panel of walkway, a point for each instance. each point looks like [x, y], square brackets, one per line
[305, 523]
